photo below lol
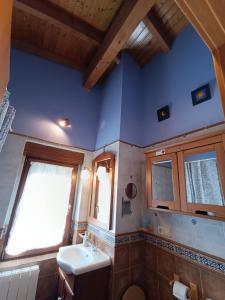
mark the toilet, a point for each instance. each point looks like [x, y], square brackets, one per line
[134, 292]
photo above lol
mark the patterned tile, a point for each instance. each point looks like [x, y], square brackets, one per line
[191, 255]
[181, 251]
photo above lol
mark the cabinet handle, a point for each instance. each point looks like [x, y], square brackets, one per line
[162, 207]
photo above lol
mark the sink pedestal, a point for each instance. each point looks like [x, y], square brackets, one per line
[91, 285]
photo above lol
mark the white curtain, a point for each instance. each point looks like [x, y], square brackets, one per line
[41, 215]
[104, 198]
[203, 182]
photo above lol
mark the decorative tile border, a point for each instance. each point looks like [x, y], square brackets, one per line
[128, 238]
[170, 246]
[80, 226]
[189, 254]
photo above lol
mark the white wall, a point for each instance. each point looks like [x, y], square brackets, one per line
[10, 162]
[131, 162]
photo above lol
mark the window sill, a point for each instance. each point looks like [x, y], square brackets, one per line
[16, 263]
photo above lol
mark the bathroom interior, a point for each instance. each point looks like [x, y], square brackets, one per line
[112, 150]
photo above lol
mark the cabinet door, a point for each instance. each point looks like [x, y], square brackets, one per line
[5, 37]
[162, 182]
[61, 286]
[202, 180]
[65, 291]
[68, 295]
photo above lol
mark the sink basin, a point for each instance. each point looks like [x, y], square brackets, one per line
[77, 259]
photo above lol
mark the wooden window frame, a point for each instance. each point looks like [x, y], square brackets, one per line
[192, 207]
[44, 154]
[155, 203]
[106, 156]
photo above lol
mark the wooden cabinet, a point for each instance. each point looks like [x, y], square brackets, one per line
[163, 184]
[91, 285]
[5, 38]
[188, 177]
[65, 286]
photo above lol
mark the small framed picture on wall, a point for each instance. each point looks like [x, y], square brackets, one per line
[163, 113]
[201, 94]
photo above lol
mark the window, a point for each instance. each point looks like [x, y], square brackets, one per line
[41, 220]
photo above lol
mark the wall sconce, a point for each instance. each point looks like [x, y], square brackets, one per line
[64, 123]
[85, 174]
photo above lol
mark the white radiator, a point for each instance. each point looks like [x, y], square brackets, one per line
[19, 284]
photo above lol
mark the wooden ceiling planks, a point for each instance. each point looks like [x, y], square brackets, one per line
[32, 34]
[59, 17]
[43, 34]
[98, 13]
[172, 23]
[156, 27]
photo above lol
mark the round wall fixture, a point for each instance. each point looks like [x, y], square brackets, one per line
[131, 190]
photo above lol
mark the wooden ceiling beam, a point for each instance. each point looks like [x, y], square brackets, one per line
[59, 17]
[155, 26]
[124, 23]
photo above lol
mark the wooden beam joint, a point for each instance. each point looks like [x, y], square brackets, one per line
[130, 15]
[155, 26]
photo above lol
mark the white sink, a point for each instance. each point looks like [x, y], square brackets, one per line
[77, 259]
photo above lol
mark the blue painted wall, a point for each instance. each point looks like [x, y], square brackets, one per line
[131, 129]
[111, 105]
[169, 79]
[124, 105]
[43, 91]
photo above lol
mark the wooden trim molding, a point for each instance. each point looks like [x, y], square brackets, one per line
[42, 152]
[219, 66]
[188, 143]
[206, 18]
[5, 40]
[173, 204]
[109, 157]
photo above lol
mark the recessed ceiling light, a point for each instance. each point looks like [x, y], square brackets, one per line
[64, 123]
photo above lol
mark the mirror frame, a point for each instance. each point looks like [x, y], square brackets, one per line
[193, 207]
[105, 156]
[173, 204]
[131, 198]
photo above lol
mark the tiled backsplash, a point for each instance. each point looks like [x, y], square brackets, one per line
[199, 233]
[150, 261]
[152, 264]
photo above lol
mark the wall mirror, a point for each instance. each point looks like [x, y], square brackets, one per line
[203, 172]
[101, 200]
[162, 182]
[131, 190]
